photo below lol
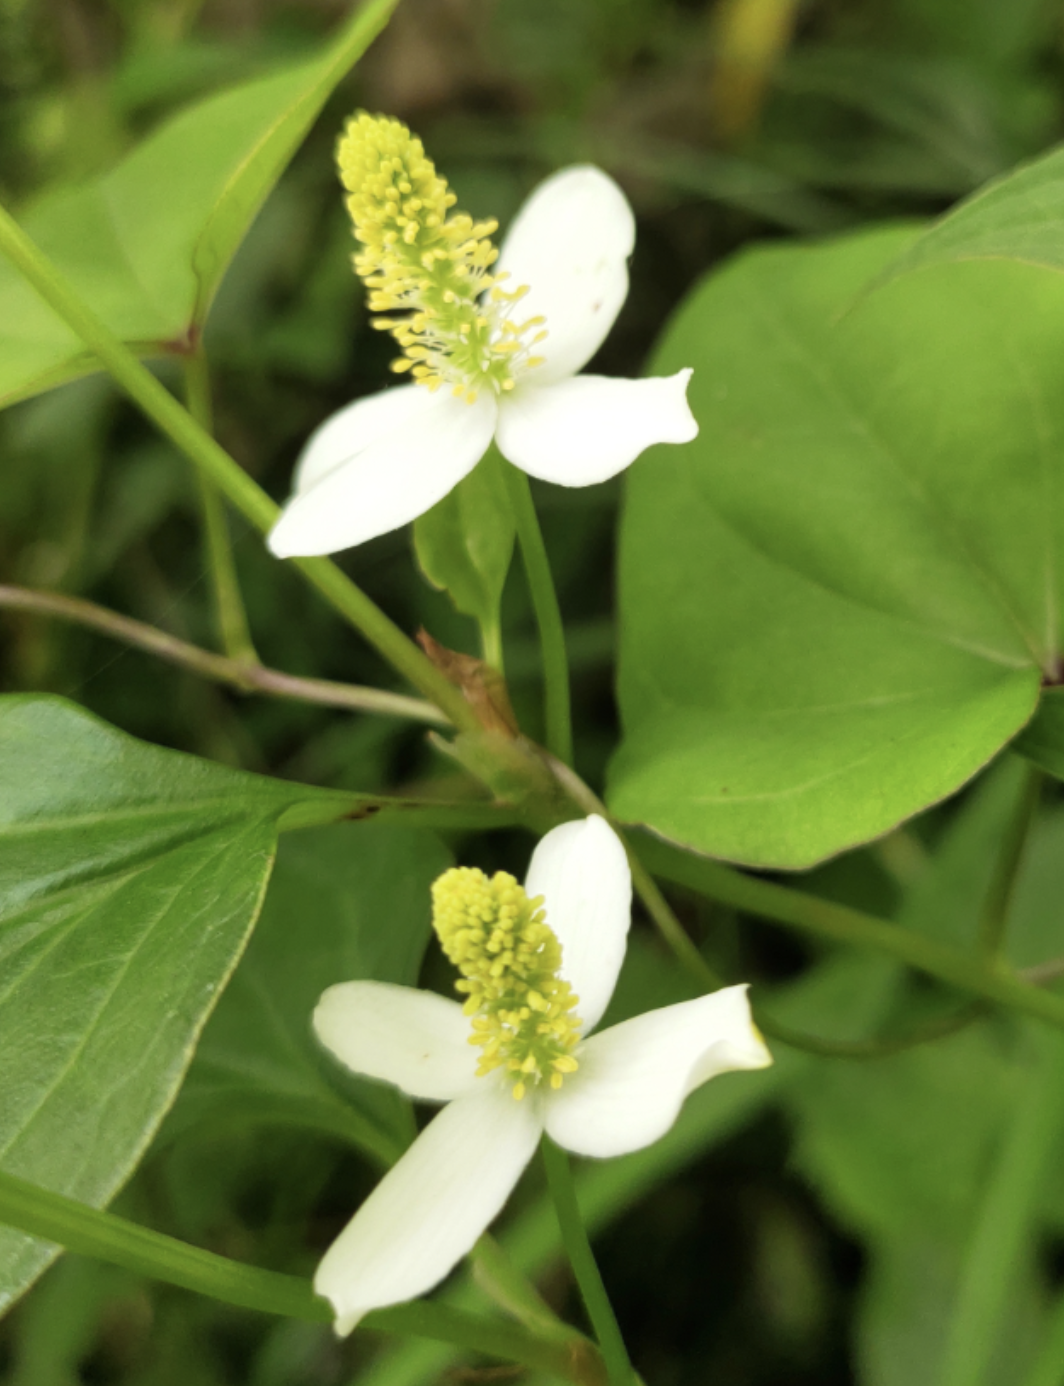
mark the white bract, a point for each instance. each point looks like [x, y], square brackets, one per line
[492, 354]
[538, 974]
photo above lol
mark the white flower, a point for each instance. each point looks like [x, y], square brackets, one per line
[388, 458]
[606, 1095]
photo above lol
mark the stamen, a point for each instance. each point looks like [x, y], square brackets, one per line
[430, 266]
[521, 1011]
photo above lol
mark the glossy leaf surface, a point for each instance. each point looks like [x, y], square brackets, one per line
[839, 600]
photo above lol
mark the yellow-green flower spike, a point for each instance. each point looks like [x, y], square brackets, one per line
[522, 1012]
[430, 266]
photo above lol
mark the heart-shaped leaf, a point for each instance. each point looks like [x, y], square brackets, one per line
[839, 601]
[1017, 217]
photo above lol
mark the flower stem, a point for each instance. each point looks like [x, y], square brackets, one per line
[582, 1259]
[245, 677]
[230, 616]
[559, 729]
[109, 1238]
[1010, 858]
[232, 480]
[971, 973]
[685, 951]
[91, 1232]
[496, 1274]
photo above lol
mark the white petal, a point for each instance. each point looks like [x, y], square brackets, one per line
[633, 1078]
[414, 1039]
[582, 872]
[353, 428]
[430, 1208]
[380, 463]
[570, 244]
[586, 430]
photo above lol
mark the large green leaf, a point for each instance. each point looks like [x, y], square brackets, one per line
[838, 601]
[1017, 217]
[342, 905]
[146, 244]
[898, 1148]
[129, 880]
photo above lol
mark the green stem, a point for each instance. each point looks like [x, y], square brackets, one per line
[231, 618]
[106, 1237]
[665, 921]
[685, 951]
[495, 1272]
[246, 678]
[668, 926]
[841, 924]
[559, 729]
[941, 1027]
[491, 643]
[231, 480]
[109, 1238]
[1010, 858]
[582, 1259]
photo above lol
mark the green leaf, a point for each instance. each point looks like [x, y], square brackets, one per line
[130, 878]
[899, 1148]
[948, 898]
[146, 244]
[1042, 740]
[465, 543]
[838, 601]
[342, 905]
[1019, 216]
[903, 1315]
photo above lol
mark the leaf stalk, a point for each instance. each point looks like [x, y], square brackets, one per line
[234, 483]
[558, 711]
[92, 1232]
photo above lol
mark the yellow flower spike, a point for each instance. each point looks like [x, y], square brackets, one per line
[522, 1012]
[418, 259]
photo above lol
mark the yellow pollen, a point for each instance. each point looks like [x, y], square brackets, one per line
[432, 266]
[522, 1013]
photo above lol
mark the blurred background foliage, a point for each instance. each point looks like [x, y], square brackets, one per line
[813, 1227]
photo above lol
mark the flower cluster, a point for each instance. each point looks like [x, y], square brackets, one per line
[431, 267]
[521, 1009]
[561, 938]
[505, 332]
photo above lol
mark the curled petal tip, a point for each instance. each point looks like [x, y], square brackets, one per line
[741, 1044]
[587, 429]
[345, 1324]
[685, 425]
